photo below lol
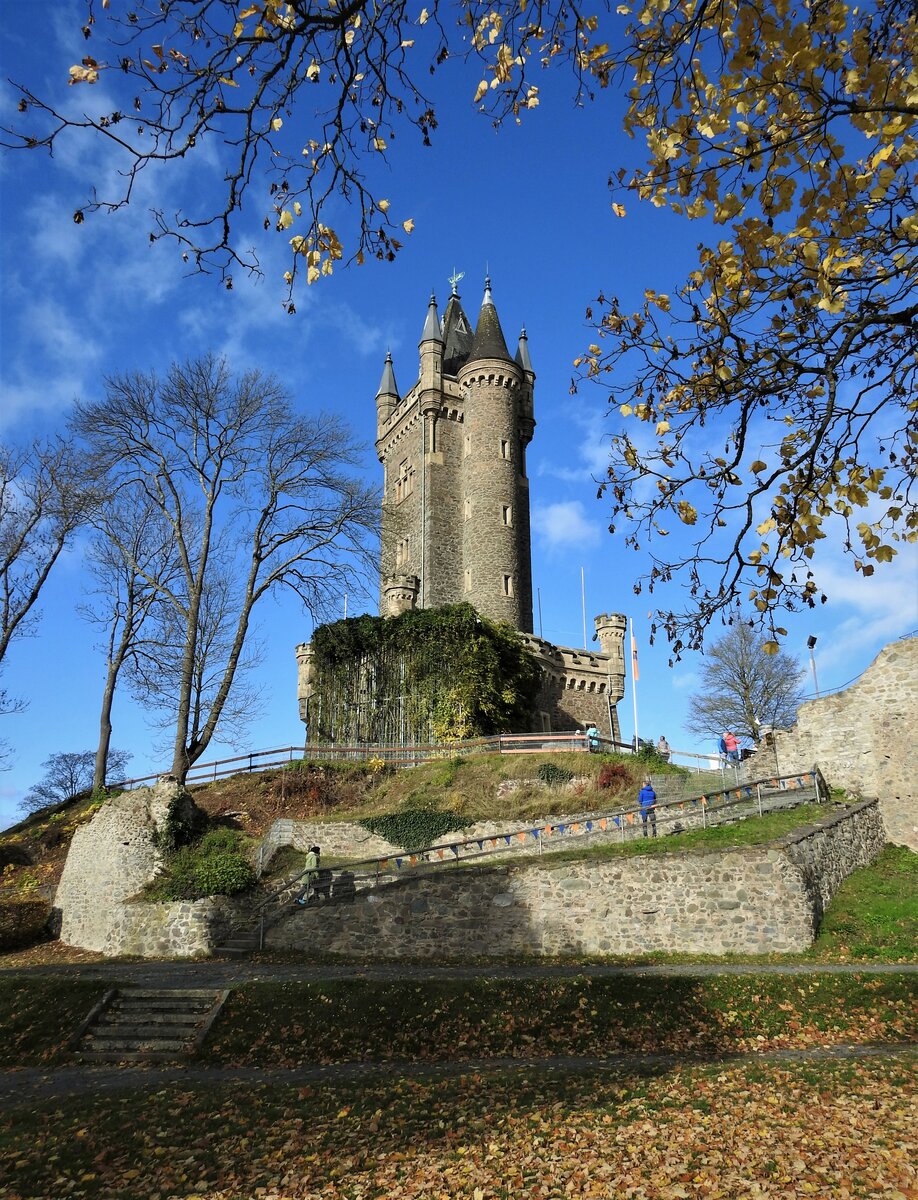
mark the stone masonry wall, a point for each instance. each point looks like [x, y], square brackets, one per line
[865, 739]
[746, 901]
[110, 859]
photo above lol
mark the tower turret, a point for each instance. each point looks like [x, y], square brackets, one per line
[387, 396]
[496, 554]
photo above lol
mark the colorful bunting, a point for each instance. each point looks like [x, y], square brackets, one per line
[602, 823]
[535, 833]
[521, 837]
[398, 863]
[548, 831]
[617, 822]
[413, 860]
[507, 838]
[439, 854]
[629, 817]
[481, 843]
[575, 828]
[455, 850]
[384, 862]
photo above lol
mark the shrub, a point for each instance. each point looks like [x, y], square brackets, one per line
[554, 776]
[212, 866]
[614, 776]
[223, 873]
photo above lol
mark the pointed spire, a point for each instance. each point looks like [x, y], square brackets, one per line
[489, 337]
[522, 353]
[432, 331]
[387, 385]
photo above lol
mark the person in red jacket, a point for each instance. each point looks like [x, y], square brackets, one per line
[732, 747]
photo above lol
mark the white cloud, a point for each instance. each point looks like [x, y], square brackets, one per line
[564, 526]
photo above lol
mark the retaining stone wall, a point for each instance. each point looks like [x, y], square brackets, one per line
[865, 739]
[750, 900]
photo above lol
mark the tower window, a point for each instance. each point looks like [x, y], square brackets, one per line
[522, 457]
[505, 449]
[506, 513]
[468, 445]
[467, 581]
[508, 585]
[405, 481]
[401, 552]
[468, 508]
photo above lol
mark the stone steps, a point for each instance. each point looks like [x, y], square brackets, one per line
[156, 1024]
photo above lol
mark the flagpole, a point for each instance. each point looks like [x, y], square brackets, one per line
[583, 606]
[634, 679]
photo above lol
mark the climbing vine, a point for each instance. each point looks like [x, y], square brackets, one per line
[436, 675]
[414, 829]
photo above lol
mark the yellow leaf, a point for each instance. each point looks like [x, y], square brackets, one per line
[757, 466]
[408, 225]
[626, 410]
[379, 143]
[687, 513]
[481, 90]
[424, 17]
[229, 82]
[277, 123]
[770, 647]
[285, 220]
[383, 206]
[618, 210]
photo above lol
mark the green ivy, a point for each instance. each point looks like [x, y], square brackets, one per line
[439, 674]
[414, 829]
[553, 775]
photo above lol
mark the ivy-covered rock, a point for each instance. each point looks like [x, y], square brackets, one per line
[414, 829]
[438, 674]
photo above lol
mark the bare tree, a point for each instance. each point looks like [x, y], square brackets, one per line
[132, 558]
[743, 687]
[67, 775]
[43, 500]
[257, 498]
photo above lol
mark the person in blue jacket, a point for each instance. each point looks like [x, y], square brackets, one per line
[648, 802]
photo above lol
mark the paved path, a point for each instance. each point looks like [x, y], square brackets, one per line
[32, 1087]
[231, 974]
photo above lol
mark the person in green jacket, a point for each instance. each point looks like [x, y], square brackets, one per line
[310, 874]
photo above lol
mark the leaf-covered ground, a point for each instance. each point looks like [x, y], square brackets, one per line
[287, 1024]
[742, 1132]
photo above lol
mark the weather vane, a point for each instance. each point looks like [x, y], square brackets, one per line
[454, 279]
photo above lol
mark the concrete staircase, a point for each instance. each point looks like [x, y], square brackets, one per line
[147, 1024]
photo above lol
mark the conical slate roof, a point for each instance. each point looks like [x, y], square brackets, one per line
[432, 323]
[457, 336]
[489, 337]
[387, 385]
[522, 353]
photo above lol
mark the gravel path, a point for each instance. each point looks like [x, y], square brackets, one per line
[230, 974]
[31, 1087]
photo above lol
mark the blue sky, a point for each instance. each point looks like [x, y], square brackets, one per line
[528, 204]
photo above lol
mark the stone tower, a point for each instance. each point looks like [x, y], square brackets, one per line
[455, 515]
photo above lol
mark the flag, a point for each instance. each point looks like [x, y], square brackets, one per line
[634, 661]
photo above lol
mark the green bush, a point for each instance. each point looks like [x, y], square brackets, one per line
[221, 837]
[212, 866]
[554, 776]
[414, 829]
[223, 873]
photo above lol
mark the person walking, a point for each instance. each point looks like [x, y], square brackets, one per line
[732, 747]
[592, 734]
[663, 748]
[310, 874]
[647, 799]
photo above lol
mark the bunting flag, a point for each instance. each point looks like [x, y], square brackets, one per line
[398, 863]
[748, 791]
[439, 854]
[800, 782]
[493, 841]
[575, 828]
[589, 826]
[384, 862]
[455, 850]
[617, 821]
[535, 833]
[548, 831]
[681, 808]
[629, 817]
[481, 843]
[521, 837]
[738, 794]
[413, 860]
[773, 782]
[561, 828]
[507, 838]
[602, 823]
[703, 799]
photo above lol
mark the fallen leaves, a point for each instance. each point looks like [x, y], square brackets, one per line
[843, 1130]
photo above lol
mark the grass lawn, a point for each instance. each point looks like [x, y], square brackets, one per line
[874, 914]
[818, 1129]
